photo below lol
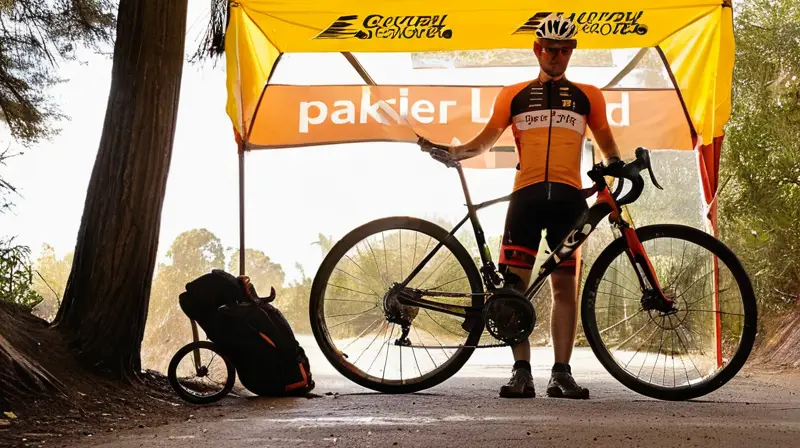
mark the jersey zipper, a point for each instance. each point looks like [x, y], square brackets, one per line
[547, 87]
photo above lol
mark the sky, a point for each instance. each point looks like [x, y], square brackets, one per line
[291, 194]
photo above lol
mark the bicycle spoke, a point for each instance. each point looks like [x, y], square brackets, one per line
[689, 288]
[380, 349]
[354, 314]
[362, 269]
[680, 269]
[350, 320]
[388, 348]
[414, 354]
[445, 284]
[377, 266]
[356, 278]
[427, 313]
[622, 274]
[617, 284]
[680, 340]
[434, 271]
[630, 338]
[365, 331]
[424, 346]
[622, 321]
[455, 265]
[385, 250]
[706, 296]
[401, 253]
[383, 328]
[692, 333]
[348, 300]
[641, 345]
[658, 353]
[353, 290]
[647, 353]
[716, 312]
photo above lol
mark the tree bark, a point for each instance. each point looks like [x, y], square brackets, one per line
[105, 304]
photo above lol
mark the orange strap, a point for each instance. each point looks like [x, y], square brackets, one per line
[299, 384]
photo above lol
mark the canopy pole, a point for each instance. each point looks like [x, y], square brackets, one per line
[242, 147]
[627, 69]
[241, 208]
[359, 68]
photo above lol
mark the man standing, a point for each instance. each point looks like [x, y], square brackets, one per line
[549, 116]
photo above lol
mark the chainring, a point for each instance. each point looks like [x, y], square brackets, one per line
[509, 316]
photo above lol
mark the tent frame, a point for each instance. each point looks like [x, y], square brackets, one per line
[709, 184]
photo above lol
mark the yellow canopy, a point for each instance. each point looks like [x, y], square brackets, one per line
[694, 36]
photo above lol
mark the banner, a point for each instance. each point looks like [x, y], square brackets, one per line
[314, 115]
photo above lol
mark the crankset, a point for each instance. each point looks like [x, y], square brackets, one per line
[509, 316]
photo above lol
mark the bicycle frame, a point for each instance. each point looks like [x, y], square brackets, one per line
[606, 205]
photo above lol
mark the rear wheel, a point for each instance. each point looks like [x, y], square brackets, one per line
[352, 305]
[690, 351]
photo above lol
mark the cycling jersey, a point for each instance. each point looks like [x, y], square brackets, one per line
[549, 122]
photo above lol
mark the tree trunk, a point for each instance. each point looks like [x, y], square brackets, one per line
[105, 304]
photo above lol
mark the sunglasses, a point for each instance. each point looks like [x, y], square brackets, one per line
[555, 51]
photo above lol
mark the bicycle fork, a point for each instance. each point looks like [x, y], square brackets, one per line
[653, 294]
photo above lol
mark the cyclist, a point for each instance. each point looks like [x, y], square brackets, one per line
[549, 116]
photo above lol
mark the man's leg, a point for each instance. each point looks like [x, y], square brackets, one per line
[521, 351]
[563, 313]
[563, 325]
[521, 239]
[521, 382]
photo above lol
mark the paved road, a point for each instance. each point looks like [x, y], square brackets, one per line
[755, 409]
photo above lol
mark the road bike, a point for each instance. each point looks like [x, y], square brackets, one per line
[635, 307]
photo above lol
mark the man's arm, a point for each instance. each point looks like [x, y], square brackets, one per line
[598, 123]
[608, 147]
[498, 123]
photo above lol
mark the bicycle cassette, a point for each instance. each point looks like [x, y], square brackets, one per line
[509, 316]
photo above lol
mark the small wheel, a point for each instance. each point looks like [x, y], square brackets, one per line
[689, 351]
[200, 373]
[366, 334]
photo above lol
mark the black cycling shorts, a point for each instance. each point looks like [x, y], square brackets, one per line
[532, 209]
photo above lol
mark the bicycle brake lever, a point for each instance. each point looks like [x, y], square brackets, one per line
[653, 176]
[644, 156]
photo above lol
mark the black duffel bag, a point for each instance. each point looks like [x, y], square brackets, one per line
[251, 332]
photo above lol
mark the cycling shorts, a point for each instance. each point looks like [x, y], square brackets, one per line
[553, 206]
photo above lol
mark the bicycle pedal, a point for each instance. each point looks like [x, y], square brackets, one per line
[469, 323]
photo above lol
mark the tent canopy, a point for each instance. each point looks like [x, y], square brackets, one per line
[694, 37]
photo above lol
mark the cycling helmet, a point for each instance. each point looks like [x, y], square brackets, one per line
[557, 29]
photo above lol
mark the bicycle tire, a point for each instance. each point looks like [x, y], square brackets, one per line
[172, 373]
[340, 249]
[726, 256]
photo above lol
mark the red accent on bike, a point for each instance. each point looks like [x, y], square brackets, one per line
[604, 196]
[637, 252]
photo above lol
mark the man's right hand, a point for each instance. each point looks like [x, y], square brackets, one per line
[438, 152]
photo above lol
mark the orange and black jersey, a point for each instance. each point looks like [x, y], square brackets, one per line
[549, 121]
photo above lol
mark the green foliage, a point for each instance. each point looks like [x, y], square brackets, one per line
[34, 37]
[262, 271]
[760, 205]
[192, 254]
[16, 275]
[50, 280]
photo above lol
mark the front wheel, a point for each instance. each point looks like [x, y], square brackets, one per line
[693, 349]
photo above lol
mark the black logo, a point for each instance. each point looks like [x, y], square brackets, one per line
[376, 26]
[604, 23]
